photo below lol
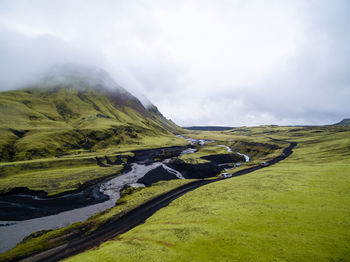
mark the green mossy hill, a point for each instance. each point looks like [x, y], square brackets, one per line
[56, 117]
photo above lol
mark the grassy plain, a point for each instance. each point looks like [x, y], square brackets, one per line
[206, 150]
[55, 175]
[296, 210]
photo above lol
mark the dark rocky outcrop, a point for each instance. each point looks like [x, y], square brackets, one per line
[189, 171]
[151, 155]
[23, 203]
[155, 175]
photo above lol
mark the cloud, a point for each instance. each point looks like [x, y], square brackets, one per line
[201, 62]
[25, 57]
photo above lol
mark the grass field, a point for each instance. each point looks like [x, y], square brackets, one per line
[206, 150]
[56, 175]
[296, 210]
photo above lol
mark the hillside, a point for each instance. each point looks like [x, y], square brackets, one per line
[208, 128]
[344, 122]
[74, 108]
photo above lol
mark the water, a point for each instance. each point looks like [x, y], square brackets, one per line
[245, 156]
[238, 153]
[228, 148]
[12, 232]
[113, 187]
[193, 141]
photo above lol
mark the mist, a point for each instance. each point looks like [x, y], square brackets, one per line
[229, 63]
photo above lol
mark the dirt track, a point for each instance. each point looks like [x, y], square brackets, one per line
[134, 217]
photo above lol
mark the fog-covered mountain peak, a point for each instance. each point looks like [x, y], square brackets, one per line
[80, 76]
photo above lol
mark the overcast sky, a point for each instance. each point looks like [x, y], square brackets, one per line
[218, 62]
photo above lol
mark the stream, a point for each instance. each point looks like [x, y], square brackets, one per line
[12, 232]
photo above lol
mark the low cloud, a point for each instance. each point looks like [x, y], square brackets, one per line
[201, 62]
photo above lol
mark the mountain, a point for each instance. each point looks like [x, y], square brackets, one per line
[344, 122]
[208, 128]
[74, 107]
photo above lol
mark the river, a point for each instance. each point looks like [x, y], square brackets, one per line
[12, 232]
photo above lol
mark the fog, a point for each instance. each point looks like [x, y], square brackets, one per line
[228, 63]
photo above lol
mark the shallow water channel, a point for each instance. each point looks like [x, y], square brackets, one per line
[12, 232]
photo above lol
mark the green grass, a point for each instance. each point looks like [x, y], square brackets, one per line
[55, 120]
[206, 150]
[296, 210]
[259, 148]
[49, 239]
[59, 174]
[55, 181]
[50, 135]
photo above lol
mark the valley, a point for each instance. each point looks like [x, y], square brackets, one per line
[261, 144]
[88, 169]
[294, 210]
[146, 167]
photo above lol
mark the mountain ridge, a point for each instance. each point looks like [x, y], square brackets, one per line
[208, 128]
[345, 122]
[66, 111]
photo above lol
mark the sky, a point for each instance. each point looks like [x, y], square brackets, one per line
[201, 62]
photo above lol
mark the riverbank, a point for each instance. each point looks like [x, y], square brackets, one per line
[112, 227]
[167, 158]
[66, 173]
[47, 239]
[22, 203]
[80, 205]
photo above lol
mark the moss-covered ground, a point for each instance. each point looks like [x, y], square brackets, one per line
[206, 150]
[50, 135]
[256, 144]
[296, 210]
[59, 120]
[56, 175]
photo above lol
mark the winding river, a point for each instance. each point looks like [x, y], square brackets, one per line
[12, 232]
